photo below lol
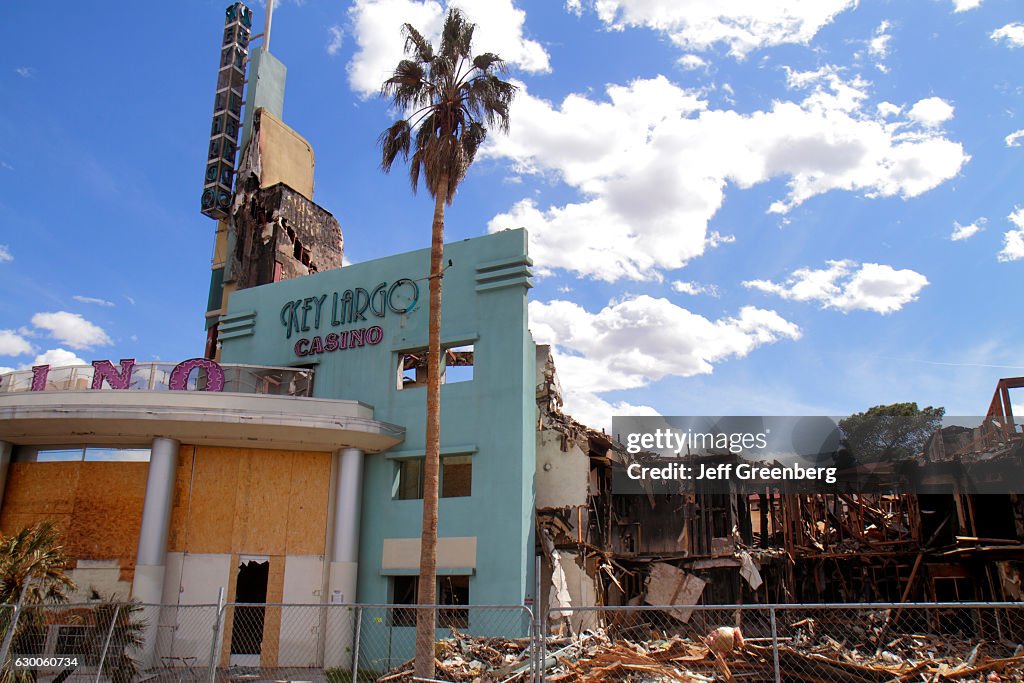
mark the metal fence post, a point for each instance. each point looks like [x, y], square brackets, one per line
[775, 646]
[534, 648]
[355, 645]
[215, 645]
[9, 636]
[106, 644]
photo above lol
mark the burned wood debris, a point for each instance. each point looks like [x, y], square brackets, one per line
[600, 655]
[773, 546]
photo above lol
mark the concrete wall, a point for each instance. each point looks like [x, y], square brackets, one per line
[285, 155]
[563, 477]
[493, 416]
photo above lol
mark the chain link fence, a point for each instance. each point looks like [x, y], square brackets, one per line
[252, 643]
[868, 643]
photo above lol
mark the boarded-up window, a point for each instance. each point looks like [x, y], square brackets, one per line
[456, 476]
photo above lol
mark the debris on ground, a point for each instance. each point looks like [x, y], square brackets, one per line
[724, 655]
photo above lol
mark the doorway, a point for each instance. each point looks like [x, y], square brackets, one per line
[247, 626]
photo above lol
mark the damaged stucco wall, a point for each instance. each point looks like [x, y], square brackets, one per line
[563, 477]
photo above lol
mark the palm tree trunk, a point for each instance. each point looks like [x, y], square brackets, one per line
[425, 618]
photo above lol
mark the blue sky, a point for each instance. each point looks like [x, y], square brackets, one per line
[781, 207]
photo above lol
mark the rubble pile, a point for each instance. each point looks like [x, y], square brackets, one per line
[464, 658]
[594, 657]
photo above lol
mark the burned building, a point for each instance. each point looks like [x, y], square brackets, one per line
[944, 526]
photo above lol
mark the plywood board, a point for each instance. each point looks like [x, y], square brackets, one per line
[250, 501]
[42, 488]
[263, 497]
[211, 509]
[307, 503]
[273, 616]
[108, 511]
[180, 503]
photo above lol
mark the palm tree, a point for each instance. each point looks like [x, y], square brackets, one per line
[110, 630]
[32, 564]
[34, 556]
[448, 97]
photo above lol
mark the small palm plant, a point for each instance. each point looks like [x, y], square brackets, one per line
[32, 573]
[34, 556]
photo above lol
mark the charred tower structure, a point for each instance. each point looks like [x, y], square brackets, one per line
[258, 188]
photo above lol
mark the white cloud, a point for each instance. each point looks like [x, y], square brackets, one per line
[1012, 139]
[695, 288]
[692, 62]
[1013, 240]
[132, 301]
[651, 162]
[335, 40]
[716, 239]
[878, 46]
[72, 329]
[742, 25]
[596, 412]
[872, 287]
[13, 344]
[964, 5]
[56, 357]
[5, 254]
[377, 27]
[931, 112]
[887, 109]
[633, 342]
[963, 232]
[1011, 34]
[92, 300]
[25, 71]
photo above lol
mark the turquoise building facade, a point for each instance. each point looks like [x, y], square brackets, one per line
[363, 329]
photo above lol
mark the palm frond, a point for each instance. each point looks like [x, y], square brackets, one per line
[490, 98]
[35, 556]
[489, 60]
[456, 35]
[394, 141]
[472, 138]
[416, 45]
[456, 98]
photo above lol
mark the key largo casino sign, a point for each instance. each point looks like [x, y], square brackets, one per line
[346, 309]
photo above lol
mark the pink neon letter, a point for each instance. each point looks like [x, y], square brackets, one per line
[39, 373]
[105, 371]
[179, 375]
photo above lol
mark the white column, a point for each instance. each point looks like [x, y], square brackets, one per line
[151, 558]
[5, 461]
[344, 567]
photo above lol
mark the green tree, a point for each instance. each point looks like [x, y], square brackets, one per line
[34, 555]
[888, 433]
[448, 99]
[32, 570]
